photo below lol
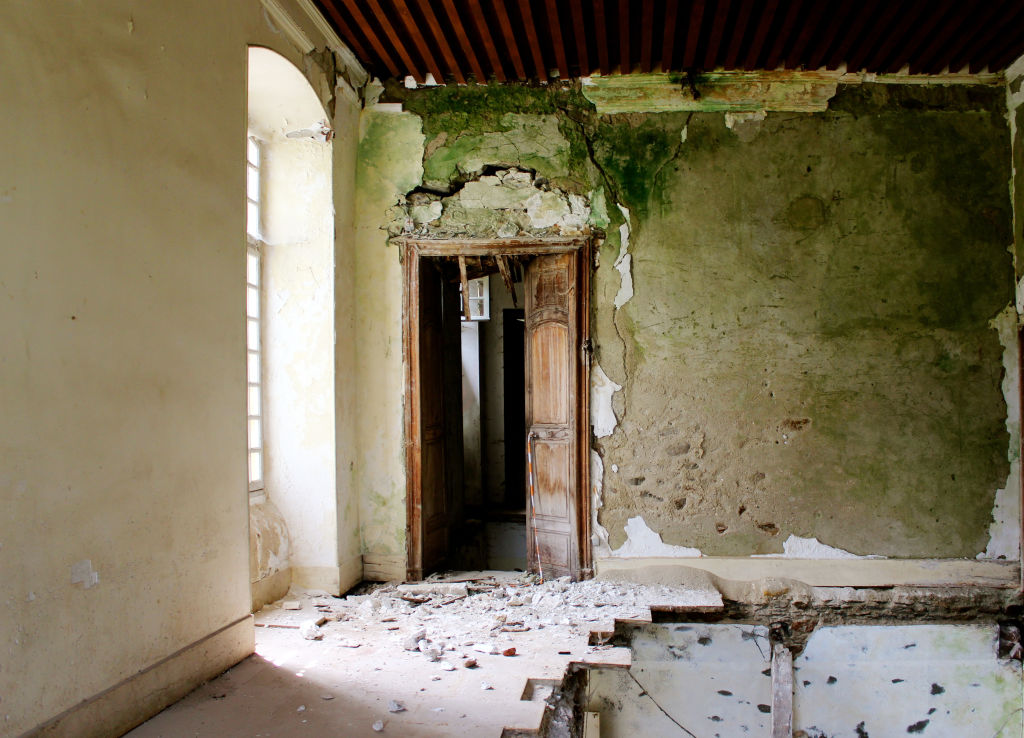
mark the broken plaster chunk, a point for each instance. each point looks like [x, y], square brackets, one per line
[448, 666]
[378, 726]
[395, 706]
[310, 631]
[412, 643]
[485, 685]
[488, 648]
[433, 653]
[83, 573]
[291, 605]
[327, 697]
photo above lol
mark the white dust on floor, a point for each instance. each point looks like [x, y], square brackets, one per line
[432, 652]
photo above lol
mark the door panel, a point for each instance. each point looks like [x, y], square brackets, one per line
[552, 390]
[434, 490]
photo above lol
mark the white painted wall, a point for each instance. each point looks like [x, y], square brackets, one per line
[122, 382]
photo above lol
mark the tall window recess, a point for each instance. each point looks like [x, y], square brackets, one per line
[253, 323]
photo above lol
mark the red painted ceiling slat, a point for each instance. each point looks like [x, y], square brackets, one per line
[487, 37]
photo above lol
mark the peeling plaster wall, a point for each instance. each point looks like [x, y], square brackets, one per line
[797, 306]
[122, 380]
[389, 165]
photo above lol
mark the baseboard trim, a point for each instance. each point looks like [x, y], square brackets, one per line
[838, 572]
[132, 701]
[383, 567]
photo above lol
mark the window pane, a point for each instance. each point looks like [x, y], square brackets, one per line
[252, 152]
[255, 466]
[252, 218]
[255, 436]
[253, 335]
[252, 183]
[254, 400]
[252, 302]
[254, 368]
[252, 269]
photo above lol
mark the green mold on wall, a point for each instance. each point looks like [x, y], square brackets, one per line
[808, 349]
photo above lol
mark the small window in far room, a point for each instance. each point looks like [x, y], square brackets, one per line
[253, 323]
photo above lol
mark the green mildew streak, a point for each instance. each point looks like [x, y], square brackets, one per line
[632, 150]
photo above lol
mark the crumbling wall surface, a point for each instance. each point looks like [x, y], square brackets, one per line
[389, 165]
[796, 316]
[808, 349]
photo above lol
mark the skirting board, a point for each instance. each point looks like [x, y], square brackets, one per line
[134, 700]
[383, 567]
[838, 572]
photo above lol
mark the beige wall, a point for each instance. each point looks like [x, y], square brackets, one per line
[121, 378]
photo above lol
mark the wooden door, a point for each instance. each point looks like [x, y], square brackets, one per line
[552, 417]
[434, 487]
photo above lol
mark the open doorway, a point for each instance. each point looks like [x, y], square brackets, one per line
[540, 391]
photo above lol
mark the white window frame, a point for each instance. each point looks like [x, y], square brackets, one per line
[255, 401]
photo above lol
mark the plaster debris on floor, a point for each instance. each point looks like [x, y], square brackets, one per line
[478, 653]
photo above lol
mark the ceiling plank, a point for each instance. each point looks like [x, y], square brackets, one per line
[693, 35]
[357, 15]
[838, 19]
[975, 54]
[580, 31]
[737, 32]
[556, 38]
[625, 60]
[956, 53]
[413, 68]
[510, 38]
[485, 38]
[783, 36]
[345, 32]
[882, 28]
[715, 41]
[852, 33]
[911, 23]
[667, 41]
[467, 48]
[531, 34]
[942, 13]
[601, 33]
[762, 24]
[809, 28]
[442, 41]
[421, 45]
[647, 31]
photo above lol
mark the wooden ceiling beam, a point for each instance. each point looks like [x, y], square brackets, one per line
[975, 54]
[531, 34]
[738, 31]
[982, 24]
[668, 39]
[415, 69]
[467, 48]
[580, 32]
[487, 40]
[421, 45]
[693, 33]
[851, 33]
[601, 33]
[715, 40]
[921, 34]
[357, 15]
[346, 32]
[783, 36]
[556, 38]
[809, 28]
[762, 23]
[442, 41]
[882, 29]
[510, 39]
[837, 20]
[646, 34]
[625, 60]
[911, 23]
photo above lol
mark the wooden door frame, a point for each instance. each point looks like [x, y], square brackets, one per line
[412, 251]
